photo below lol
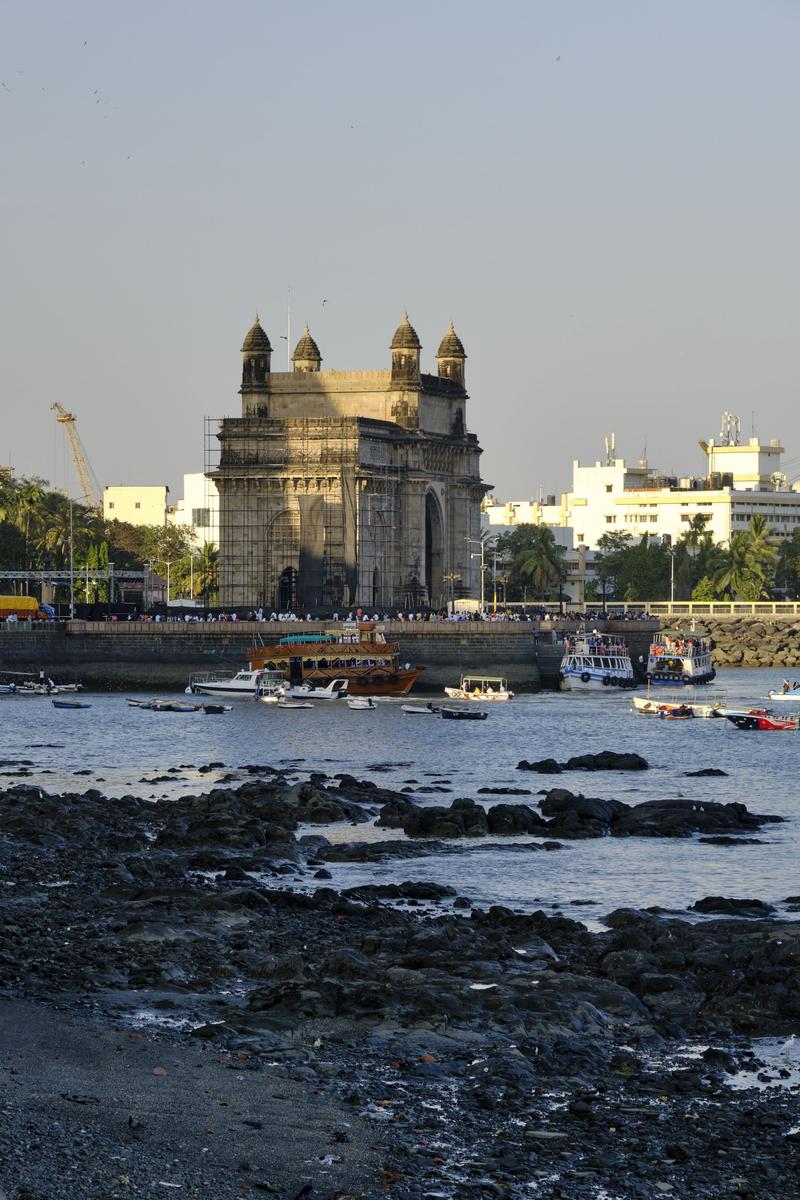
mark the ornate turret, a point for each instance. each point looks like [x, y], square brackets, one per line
[405, 352]
[450, 357]
[256, 355]
[306, 355]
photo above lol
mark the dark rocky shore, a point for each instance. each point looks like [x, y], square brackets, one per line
[383, 1041]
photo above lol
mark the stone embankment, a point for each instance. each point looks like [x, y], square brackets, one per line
[750, 642]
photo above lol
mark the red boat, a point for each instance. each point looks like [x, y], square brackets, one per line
[762, 720]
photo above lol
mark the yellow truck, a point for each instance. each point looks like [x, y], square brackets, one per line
[22, 608]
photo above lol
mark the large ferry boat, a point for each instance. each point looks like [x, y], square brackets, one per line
[678, 657]
[593, 661]
[359, 653]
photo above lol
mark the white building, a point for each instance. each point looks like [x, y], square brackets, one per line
[136, 504]
[198, 511]
[742, 480]
[578, 559]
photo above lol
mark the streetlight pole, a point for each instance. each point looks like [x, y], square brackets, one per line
[672, 576]
[479, 542]
[191, 577]
[148, 566]
[71, 566]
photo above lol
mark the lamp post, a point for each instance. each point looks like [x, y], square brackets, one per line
[71, 565]
[168, 564]
[191, 576]
[481, 556]
[148, 567]
[452, 580]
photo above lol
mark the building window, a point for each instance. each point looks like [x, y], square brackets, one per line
[111, 504]
[201, 517]
[137, 504]
[609, 487]
[611, 520]
[654, 520]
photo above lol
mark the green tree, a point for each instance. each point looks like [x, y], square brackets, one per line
[748, 564]
[609, 559]
[542, 563]
[704, 589]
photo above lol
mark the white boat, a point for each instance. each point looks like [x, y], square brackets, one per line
[293, 704]
[680, 657]
[271, 687]
[789, 691]
[335, 690]
[595, 662]
[420, 710]
[243, 684]
[480, 688]
[654, 706]
[361, 702]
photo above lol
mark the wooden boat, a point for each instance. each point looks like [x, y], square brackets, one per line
[71, 704]
[361, 702]
[420, 710]
[293, 704]
[359, 653]
[462, 714]
[764, 722]
[480, 688]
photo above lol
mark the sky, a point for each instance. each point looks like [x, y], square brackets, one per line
[602, 196]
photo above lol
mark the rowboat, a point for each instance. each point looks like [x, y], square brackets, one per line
[462, 714]
[213, 710]
[785, 693]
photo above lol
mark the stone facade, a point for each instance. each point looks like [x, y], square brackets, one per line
[347, 488]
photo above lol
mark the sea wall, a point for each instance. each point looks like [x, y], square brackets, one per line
[144, 655]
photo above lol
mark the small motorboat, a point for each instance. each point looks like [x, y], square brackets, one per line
[480, 688]
[293, 704]
[789, 691]
[764, 722]
[71, 704]
[214, 709]
[462, 714]
[335, 690]
[678, 712]
[360, 702]
[181, 706]
[421, 710]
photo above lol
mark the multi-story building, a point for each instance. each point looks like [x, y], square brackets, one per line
[198, 511]
[137, 504]
[742, 479]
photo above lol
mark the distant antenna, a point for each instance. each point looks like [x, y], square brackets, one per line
[289, 328]
[731, 432]
[611, 448]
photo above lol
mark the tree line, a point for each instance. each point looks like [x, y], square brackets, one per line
[754, 565]
[38, 524]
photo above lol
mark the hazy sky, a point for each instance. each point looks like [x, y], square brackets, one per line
[602, 195]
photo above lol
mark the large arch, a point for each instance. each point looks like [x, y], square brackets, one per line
[434, 551]
[282, 560]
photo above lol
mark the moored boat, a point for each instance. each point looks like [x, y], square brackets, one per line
[595, 661]
[242, 685]
[788, 691]
[71, 704]
[764, 722]
[358, 653]
[293, 704]
[480, 688]
[271, 687]
[335, 690]
[462, 714]
[421, 710]
[361, 702]
[680, 657]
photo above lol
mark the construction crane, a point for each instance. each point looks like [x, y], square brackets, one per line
[90, 488]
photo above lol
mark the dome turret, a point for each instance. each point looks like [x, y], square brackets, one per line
[306, 355]
[405, 349]
[256, 357]
[256, 340]
[450, 356]
[405, 336]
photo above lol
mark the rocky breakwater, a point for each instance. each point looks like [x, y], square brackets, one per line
[486, 1053]
[751, 642]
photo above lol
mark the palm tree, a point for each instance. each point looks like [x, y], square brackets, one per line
[206, 571]
[543, 562]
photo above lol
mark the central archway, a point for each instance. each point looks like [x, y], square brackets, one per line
[282, 561]
[434, 550]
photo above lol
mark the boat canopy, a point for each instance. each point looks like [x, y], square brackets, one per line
[465, 679]
[304, 639]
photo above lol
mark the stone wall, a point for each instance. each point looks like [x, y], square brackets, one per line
[753, 642]
[133, 655]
